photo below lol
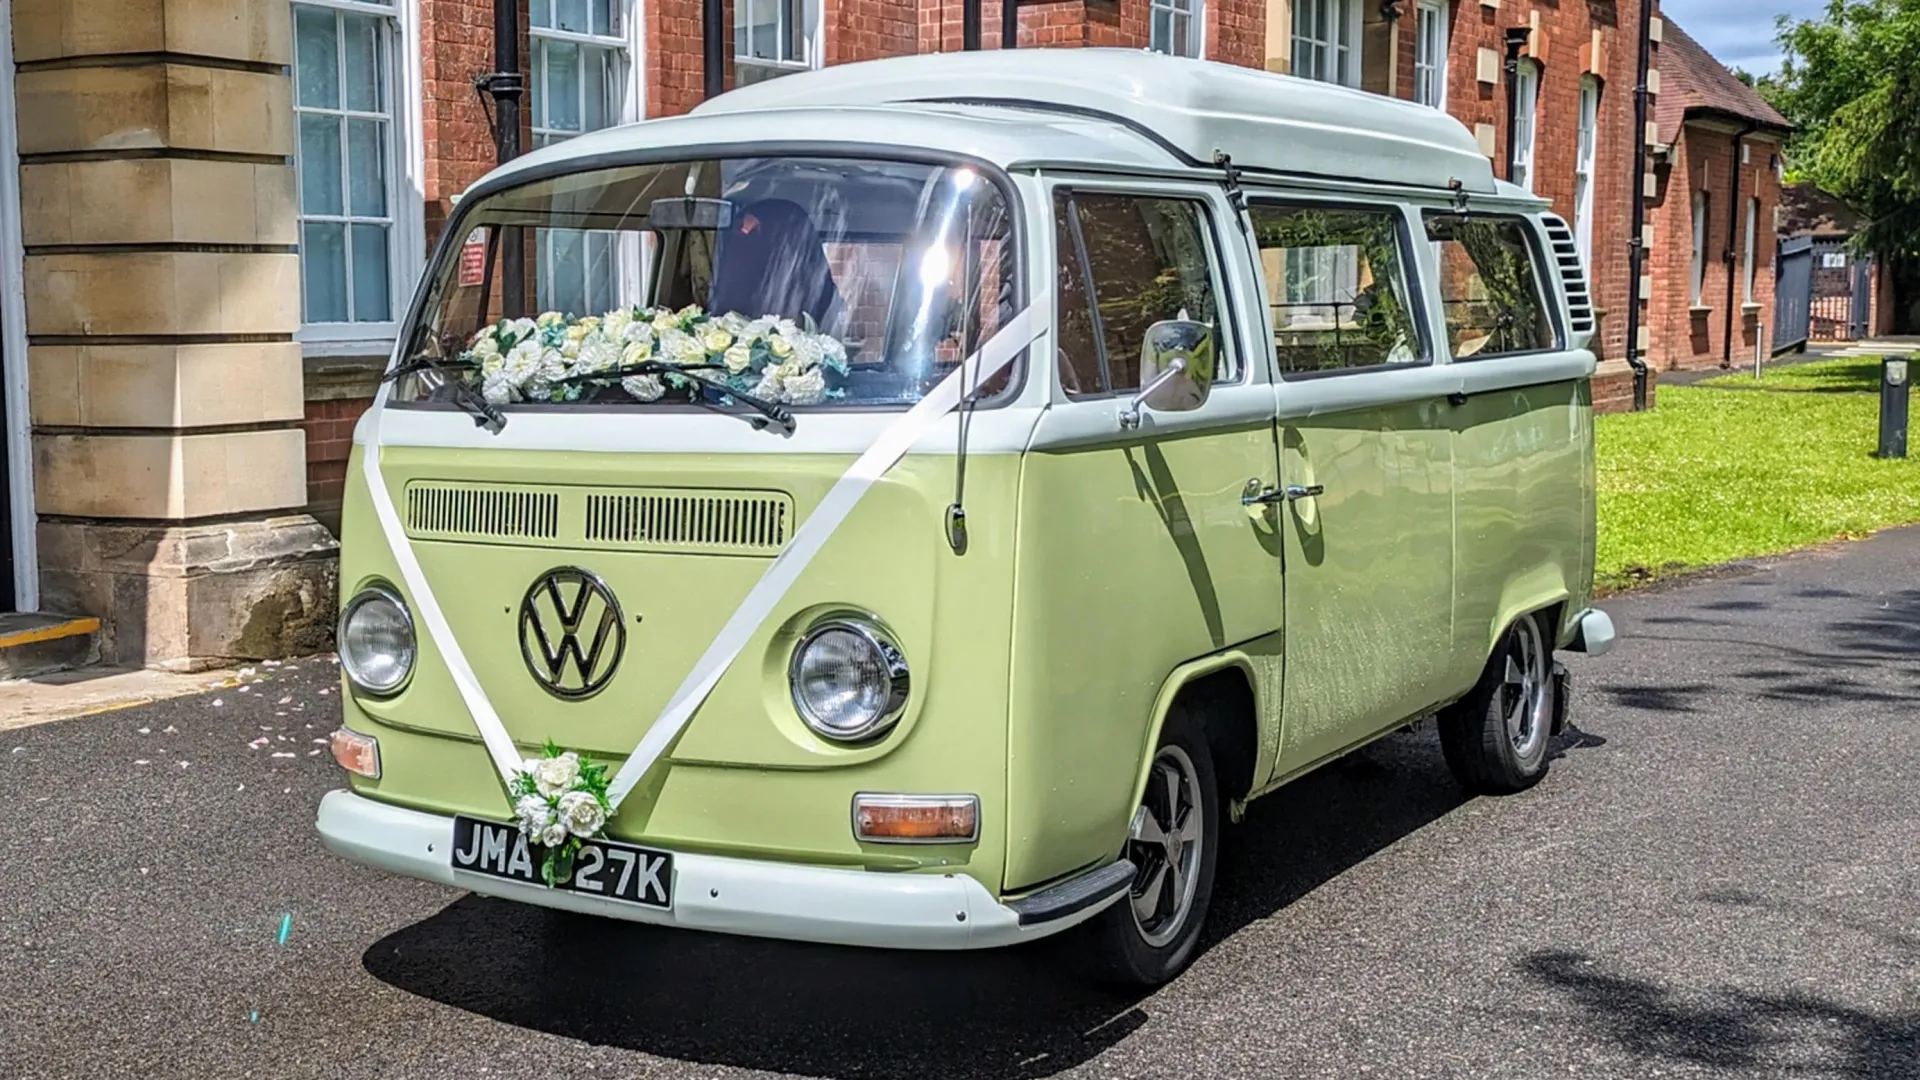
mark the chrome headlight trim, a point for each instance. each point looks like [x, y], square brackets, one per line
[899, 679]
[377, 590]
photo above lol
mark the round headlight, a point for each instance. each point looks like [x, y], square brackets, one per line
[849, 680]
[375, 641]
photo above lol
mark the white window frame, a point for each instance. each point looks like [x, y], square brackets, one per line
[15, 424]
[1430, 53]
[1699, 278]
[620, 42]
[1194, 11]
[1585, 144]
[1753, 237]
[1526, 106]
[1330, 31]
[628, 105]
[811, 13]
[406, 186]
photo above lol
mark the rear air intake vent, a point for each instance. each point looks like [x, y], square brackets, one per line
[1566, 258]
[481, 512]
[720, 522]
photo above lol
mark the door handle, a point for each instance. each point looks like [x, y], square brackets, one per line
[1258, 494]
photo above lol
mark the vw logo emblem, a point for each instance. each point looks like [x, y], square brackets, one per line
[571, 633]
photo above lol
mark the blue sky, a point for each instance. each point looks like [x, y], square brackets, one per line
[1739, 33]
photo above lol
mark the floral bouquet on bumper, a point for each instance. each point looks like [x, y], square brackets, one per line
[650, 352]
[560, 800]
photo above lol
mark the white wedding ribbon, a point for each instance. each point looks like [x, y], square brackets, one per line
[812, 535]
[506, 756]
[893, 444]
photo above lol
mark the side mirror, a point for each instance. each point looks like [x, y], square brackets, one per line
[1176, 369]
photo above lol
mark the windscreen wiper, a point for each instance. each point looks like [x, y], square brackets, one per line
[470, 401]
[778, 416]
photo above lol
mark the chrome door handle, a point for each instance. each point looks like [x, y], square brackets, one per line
[1296, 492]
[1259, 494]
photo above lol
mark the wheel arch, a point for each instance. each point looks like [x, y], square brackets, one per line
[1224, 683]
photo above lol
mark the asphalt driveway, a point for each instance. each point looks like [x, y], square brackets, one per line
[1717, 879]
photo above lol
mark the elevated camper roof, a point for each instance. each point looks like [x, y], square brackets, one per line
[1190, 108]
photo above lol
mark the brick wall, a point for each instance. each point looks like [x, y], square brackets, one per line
[1686, 335]
[329, 428]
[1563, 45]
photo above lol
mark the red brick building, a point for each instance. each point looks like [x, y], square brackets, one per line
[399, 74]
[1714, 201]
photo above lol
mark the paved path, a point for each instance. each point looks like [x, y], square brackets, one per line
[1718, 879]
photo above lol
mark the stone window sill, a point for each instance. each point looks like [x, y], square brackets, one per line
[1699, 310]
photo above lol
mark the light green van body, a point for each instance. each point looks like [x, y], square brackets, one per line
[1109, 572]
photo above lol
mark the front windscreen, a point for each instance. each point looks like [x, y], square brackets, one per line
[792, 280]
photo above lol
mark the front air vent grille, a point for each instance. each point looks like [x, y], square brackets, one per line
[481, 512]
[1573, 275]
[720, 522]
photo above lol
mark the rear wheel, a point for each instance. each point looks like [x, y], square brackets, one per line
[1151, 935]
[1495, 738]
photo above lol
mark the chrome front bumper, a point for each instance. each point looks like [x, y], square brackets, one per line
[743, 896]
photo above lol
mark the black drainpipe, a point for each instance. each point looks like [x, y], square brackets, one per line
[1735, 214]
[970, 25]
[1637, 250]
[1009, 24]
[1516, 40]
[505, 85]
[713, 47]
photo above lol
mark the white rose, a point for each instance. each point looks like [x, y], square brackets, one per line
[638, 333]
[809, 388]
[534, 814]
[555, 775]
[644, 387]
[486, 347]
[553, 835]
[497, 388]
[779, 346]
[580, 812]
[664, 320]
[523, 359]
[549, 318]
[597, 355]
[739, 358]
[771, 381]
[616, 323]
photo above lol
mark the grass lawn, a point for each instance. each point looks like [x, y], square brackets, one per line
[1735, 468]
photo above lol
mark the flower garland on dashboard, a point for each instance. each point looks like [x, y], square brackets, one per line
[554, 359]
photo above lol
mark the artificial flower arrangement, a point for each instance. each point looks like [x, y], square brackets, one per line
[649, 351]
[560, 801]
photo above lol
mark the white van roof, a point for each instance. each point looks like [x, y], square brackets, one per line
[1191, 108]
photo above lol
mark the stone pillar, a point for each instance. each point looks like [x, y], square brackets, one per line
[163, 291]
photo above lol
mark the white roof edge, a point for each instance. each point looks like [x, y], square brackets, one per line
[1265, 122]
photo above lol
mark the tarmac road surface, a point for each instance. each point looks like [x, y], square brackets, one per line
[1717, 879]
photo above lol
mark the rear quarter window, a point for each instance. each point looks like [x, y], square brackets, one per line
[1492, 290]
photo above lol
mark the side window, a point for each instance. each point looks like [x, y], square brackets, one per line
[1127, 262]
[1490, 286]
[1337, 287]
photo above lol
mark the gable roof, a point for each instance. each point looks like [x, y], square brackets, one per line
[1812, 212]
[1693, 83]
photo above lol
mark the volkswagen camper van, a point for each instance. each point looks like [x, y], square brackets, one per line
[935, 495]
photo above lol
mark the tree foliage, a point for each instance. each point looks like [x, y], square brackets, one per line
[1850, 81]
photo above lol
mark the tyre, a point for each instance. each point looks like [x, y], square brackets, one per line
[1152, 933]
[1495, 738]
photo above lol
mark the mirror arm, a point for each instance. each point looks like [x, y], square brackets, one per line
[1130, 416]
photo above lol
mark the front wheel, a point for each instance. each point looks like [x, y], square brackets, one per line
[1152, 933]
[1495, 738]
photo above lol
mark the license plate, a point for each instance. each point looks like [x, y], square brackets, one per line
[602, 868]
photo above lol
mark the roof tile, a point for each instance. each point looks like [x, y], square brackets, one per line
[1692, 81]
